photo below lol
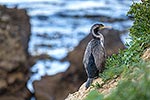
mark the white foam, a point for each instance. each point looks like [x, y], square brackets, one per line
[40, 70]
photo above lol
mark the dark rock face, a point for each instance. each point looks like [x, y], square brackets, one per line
[57, 87]
[14, 37]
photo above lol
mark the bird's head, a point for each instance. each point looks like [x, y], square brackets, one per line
[96, 30]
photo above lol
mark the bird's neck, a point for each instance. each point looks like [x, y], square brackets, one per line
[97, 38]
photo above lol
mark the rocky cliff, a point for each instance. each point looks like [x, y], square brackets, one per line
[14, 66]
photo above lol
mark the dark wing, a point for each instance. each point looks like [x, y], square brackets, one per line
[91, 68]
[87, 55]
[89, 62]
[99, 56]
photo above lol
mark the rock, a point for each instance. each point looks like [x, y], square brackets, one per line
[146, 55]
[11, 98]
[47, 92]
[58, 86]
[16, 96]
[12, 78]
[5, 18]
[105, 89]
[3, 85]
[8, 65]
[3, 74]
[82, 92]
[14, 58]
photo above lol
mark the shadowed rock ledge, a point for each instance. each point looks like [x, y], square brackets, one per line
[58, 86]
[14, 64]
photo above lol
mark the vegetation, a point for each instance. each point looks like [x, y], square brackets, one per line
[135, 87]
[97, 85]
[140, 34]
[94, 95]
[128, 63]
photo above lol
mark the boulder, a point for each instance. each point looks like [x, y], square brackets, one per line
[58, 86]
[14, 64]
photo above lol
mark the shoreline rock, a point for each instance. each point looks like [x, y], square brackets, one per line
[14, 58]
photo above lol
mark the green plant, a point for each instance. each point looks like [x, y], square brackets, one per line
[94, 95]
[97, 85]
[140, 34]
[136, 87]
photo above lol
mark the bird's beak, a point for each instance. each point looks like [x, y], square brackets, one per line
[105, 27]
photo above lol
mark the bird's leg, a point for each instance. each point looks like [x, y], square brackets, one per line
[88, 82]
[96, 74]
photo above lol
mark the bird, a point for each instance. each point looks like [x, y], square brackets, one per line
[95, 54]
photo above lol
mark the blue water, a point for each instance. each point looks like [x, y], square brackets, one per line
[57, 26]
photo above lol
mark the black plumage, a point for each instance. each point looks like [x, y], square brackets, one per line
[95, 54]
